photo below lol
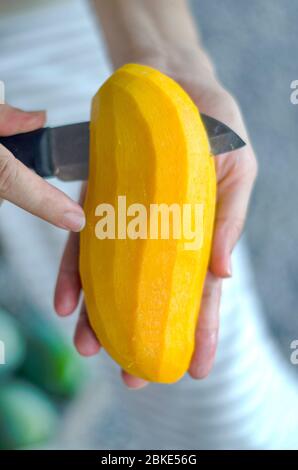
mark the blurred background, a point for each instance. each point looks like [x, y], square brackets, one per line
[52, 57]
[253, 47]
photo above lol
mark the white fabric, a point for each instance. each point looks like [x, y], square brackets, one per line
[52, 57]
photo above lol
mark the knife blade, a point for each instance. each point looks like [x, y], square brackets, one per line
[63, 151]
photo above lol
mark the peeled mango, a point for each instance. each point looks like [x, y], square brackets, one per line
[148, 143]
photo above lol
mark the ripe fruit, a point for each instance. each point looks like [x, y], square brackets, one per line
[148, 143]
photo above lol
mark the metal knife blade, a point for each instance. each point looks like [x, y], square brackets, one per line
[222, 139]
[64, 151]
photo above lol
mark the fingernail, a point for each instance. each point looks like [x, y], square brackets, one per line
[74, 221]
[134, 383]
[37, 111]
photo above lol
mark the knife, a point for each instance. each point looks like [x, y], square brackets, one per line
[63, 151]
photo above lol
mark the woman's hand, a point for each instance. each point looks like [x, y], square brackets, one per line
[236, 172]
[24, 188]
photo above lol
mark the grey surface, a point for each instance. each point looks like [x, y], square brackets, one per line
[254, 46]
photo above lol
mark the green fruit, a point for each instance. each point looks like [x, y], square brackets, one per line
[51, 362]
[27, 416]
[12, 344]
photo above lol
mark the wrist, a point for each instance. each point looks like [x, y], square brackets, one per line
[183, 64]
[194, 71]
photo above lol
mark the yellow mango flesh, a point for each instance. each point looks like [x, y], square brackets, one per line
[147, 142]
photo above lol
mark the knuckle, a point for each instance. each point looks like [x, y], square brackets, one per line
[8, 172]
[231, 226]
[212, 287]
[236, 227]
[229, 103]
[254, 168]
[248, 170]
[207, 292]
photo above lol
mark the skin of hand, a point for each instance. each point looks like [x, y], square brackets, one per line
[236, 172]
[24, 188]
[143, 31]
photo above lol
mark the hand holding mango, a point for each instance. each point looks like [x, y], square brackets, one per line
[153, 308]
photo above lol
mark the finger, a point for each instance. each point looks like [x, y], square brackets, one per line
[133, 382]
[234, 192]
[207, 329]
[85, 340]
[27, 190]
[68, 285]
[16, 121]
